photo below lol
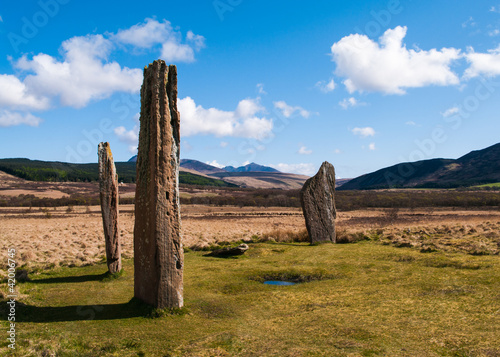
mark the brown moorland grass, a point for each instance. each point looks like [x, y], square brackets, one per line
[72, 236]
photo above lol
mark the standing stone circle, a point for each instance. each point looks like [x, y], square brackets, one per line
[108, 190]
[318, 204]
[158, 252]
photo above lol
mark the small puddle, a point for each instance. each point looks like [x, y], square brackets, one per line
[278, 282]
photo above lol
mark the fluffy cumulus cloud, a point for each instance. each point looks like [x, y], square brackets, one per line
[83, 71]
[350, 102]
[129, 137]
[326, 87]
[83, 75]
[16, 95]
[244, 121]
[153, 33]
[301, 169]
[363, 132]
[287, 110]
[388, 66]
[304, 151]
[371, 146]
[8, 118]
[486, 64]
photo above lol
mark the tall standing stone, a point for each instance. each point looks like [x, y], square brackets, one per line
[318, 204]
[108, 188]
[158, 252]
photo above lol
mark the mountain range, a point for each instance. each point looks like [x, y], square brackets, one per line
[251, 176]
[475, 168]
[209, 169]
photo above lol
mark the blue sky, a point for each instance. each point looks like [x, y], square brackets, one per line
[363, 85]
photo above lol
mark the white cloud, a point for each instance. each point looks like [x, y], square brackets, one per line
[1, 19]
[215, 163]
[130, 137]
[364, 132]
[495, 9]
[494, 32]
[326, 87]
[176, 52]
[82, 76]
[450, 111]
[301, 169]
[8, 118]
[260, 88]
[146, 34]
[248, 107]
[388, 66]
[197, 40]
[350, 102]
[152, 33]
[304, 151]
[487, 64]
[288, 110]
[83, 72]
[337, 151]
[371, 146]
[470, 22]
[224, 144]
[411, 123]
[242, 122]
[16, 95]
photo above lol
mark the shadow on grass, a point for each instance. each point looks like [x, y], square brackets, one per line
[28, 313]
[78, 279]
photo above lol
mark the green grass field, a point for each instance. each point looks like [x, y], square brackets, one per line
[364, 299]
[496, 185]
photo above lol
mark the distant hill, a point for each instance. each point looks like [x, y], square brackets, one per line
[340, 182]
[263, 179]
[252, 167]
[208, 169]
[36, 170]
[477, 167]
[199, 166]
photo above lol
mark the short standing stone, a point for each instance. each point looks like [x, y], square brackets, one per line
[158, 252]
[108, 185]
[318, 204]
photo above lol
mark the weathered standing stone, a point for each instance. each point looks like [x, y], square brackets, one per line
[108, 187]
[318, 204]
[158, 252]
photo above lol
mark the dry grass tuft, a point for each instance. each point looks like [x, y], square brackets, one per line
[285, 236]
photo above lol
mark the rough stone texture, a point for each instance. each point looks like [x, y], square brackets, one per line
[318, 204]
[158, 252]
[229, 252]
[108, 187]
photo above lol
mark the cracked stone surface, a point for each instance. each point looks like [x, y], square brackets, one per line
[317, 198]
[158, 252]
